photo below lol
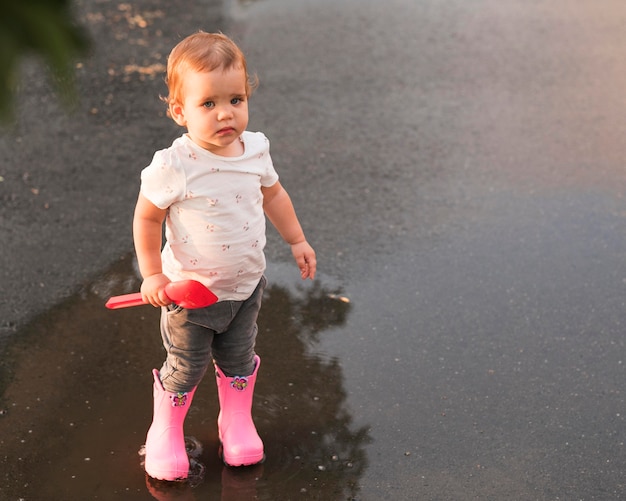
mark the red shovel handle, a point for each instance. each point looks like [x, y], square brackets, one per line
[125, 301]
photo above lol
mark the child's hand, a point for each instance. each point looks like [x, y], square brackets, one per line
[305, 258]
[153, 290]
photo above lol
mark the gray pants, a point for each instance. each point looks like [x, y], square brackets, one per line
[225, 332]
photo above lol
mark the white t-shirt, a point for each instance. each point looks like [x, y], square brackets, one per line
[215, 225]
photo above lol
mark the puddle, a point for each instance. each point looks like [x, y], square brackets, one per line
[76, 402]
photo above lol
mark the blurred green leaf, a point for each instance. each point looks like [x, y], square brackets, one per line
[44, 28]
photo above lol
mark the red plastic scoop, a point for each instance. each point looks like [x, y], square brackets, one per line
[189, 294]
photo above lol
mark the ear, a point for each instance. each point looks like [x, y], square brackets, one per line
[177, 113]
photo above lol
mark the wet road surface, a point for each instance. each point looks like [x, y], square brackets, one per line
[459, 168]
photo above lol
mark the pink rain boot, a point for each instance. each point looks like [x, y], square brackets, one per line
[166, 457]
[241, 445]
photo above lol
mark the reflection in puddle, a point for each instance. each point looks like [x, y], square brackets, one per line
[76, 402]
[316, 446]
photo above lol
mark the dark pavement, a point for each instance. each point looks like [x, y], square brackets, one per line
[458, 167]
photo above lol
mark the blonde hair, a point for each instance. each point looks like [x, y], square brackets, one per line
[203, 52]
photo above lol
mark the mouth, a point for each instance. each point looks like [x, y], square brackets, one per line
[225, 131]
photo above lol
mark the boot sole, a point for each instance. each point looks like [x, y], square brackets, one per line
[239, 462]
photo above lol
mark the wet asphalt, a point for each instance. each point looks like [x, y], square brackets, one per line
[458, 167]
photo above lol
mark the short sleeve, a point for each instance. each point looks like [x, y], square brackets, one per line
[163, 181]
[270, 176]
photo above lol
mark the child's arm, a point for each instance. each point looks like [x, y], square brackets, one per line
[147, 231]
[280, 212]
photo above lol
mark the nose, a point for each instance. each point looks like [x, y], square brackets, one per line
[224, 112]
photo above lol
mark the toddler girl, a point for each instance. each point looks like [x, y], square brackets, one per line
[213, 188]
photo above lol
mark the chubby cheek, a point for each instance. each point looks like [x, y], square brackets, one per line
[201, 120]
[242, 119]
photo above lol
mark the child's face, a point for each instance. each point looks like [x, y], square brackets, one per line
[214, 109]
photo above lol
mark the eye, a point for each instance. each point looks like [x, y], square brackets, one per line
[236, 100]
[208, 104]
